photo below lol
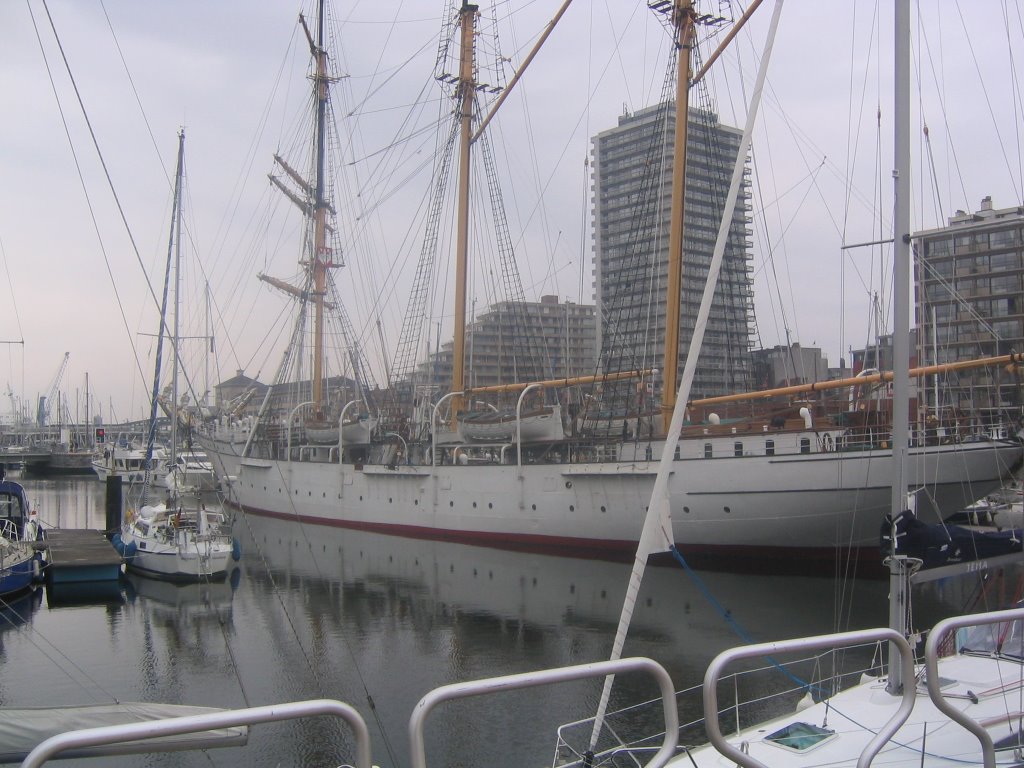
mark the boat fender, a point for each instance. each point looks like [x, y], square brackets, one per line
[827, 443]
[236, 550]
[127, 551]
[805, 414]
[37, 570]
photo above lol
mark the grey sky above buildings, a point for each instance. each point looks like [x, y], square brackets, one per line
[214, 67]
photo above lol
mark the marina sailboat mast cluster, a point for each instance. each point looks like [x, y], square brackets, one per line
[794, 479]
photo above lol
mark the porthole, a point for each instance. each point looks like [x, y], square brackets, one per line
[474, 505]
[603, 508]
[686, 510]
[568, 483]
[389, 499]
[572, 507]
[533, 507]
[727, 510]
[490, 505]
[451, 503]
[415, 502]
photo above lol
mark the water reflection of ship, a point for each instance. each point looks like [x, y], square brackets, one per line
[408, 615]
[675, 615]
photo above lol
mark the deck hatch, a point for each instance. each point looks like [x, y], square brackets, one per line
[800, 736]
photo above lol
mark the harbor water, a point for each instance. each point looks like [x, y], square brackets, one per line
[378, 621]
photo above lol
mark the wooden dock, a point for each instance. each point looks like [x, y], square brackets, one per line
[76, 556]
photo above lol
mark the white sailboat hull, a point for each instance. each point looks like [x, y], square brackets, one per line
[192, 563]
[163, 545]
[779, 507]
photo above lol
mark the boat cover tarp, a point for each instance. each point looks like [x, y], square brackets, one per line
[942, 544]
[21, 730]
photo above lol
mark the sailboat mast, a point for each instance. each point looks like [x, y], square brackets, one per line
[901, 325]
[209, 349]
[177, 298]
[467, 21]
[683, 23]
[321, 258]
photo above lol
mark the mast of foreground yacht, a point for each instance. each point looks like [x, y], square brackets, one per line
[898, 564]
[657, 533]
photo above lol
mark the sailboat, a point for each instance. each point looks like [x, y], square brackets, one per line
[166, 540]
[20, 561]
[777, 492]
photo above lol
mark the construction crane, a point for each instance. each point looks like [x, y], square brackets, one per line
[43, 412]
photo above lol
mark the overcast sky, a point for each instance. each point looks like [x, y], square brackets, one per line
[231, 73]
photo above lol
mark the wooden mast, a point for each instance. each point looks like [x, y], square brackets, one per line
[464, 96]
[321, 260]
[321, 257]
[683, 24]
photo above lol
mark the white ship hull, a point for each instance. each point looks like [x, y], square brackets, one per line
[786, 507]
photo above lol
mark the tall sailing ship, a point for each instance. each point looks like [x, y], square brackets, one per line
[789, 478]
